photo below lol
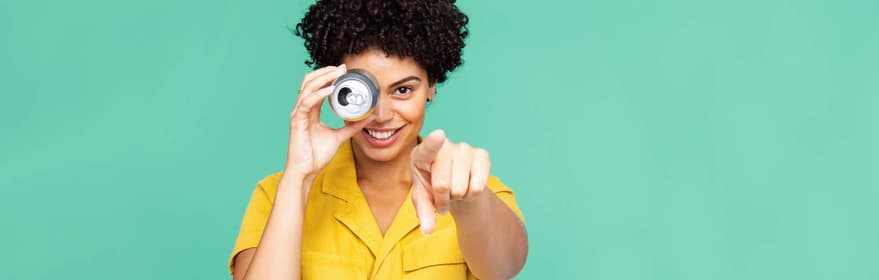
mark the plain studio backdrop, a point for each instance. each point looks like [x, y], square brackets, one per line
[678, 139]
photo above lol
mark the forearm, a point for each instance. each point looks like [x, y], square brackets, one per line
[490, 236]
[278, 253]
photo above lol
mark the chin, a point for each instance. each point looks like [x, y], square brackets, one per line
[381, 155]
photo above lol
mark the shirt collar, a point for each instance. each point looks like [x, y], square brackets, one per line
[340, 175]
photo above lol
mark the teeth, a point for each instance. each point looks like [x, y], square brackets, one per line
[381, 135]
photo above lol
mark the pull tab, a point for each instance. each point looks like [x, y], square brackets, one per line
[356, 98]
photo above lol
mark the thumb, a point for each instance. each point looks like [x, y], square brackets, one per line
[350, 129]
[424, 154]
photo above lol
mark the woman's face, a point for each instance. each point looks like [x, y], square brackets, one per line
[399, 112]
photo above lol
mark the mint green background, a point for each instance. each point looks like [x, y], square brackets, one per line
[677, 139]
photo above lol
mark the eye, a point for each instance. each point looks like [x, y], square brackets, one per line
[403, 91]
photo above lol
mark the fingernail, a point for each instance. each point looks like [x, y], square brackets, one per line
[340, 69]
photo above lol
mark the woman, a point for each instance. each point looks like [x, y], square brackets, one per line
[349, 200]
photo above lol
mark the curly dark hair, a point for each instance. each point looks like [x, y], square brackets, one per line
[431, 32]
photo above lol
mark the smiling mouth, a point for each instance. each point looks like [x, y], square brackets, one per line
[382, 135]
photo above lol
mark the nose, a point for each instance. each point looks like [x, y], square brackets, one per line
[383, 109]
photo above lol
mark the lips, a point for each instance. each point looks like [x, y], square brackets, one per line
[381, 137]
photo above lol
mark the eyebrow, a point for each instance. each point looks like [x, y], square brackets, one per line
[403, 80]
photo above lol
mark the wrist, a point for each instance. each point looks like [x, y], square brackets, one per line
[300, 182]
[297, 174]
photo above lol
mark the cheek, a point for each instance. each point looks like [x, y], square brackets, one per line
[411, 110]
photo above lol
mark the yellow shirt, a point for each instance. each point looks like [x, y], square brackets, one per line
[342, 240]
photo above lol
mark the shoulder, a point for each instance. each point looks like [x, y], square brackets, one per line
[271, 179]
[505, 194]
[268, 185]
[495, 185]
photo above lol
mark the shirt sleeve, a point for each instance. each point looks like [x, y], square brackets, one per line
[255, 217]
[506, 195]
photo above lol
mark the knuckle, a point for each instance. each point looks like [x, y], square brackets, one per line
[308, 77]
[458, 195]
[463, 147]
[477, 189]
[306, 102]
[481, 153]
[306, 86]
[485, 156]
[459, 190]
[440, 186]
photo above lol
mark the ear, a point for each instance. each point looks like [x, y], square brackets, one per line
[431, 92]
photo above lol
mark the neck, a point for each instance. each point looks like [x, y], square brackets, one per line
[394, 172]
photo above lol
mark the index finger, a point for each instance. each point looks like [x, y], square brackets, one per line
[424, 154]
[316, 73]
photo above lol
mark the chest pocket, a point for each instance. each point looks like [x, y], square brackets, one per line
[318, 265]
[434, 257]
